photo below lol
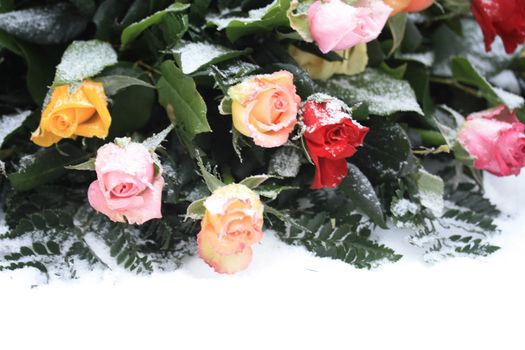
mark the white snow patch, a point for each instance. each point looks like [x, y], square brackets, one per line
[9, 123]
[287, 299]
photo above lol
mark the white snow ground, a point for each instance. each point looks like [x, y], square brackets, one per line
[287, 299]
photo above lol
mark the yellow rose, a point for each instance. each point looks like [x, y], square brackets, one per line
[81, 112]
[354, 61]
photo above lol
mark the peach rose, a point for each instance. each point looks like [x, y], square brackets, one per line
[126, 188]
[335, 25]
[265, 108]
[408, 5]
[81, 111]
[232, 223]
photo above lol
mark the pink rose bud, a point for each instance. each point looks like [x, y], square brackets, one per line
[335, 25]
[232, 223]
[495, 139]
[126, 188]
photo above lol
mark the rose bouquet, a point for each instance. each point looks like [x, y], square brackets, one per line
[136, 132]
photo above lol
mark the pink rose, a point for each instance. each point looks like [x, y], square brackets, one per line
[265, 108]
[495, 139]
[335, 25]
[127, 188]
[232, 223]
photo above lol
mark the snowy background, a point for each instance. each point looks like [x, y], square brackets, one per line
[287, 299]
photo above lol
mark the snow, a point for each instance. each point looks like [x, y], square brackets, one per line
[223, 21]
[194, 56]
[84, 59]
[10, 123]
[287, 299]
[383, 94]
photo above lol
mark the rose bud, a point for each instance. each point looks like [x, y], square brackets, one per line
[495, 139]
[265, 108]
[80, 112]
[331, 136]
[232, 223]
[354, 62]
[127, 188]
[505, 18]
[335, 25]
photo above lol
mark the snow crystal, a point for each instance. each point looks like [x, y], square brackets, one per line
[9, 123]
[84, 59]
[471, 47]
[507, 80]
[426, 58]
[403, 207]
[285, 162]
[383, 94]
[44, 23]
[194, 56]
[222, 21]
[512, 101]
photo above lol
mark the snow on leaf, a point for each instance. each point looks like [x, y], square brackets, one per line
[84, 59]
[10, 123]
[193, 56]
[383, 94]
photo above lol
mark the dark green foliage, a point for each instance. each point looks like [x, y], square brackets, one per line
[349, 242]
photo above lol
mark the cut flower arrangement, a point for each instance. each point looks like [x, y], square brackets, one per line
[160, 129]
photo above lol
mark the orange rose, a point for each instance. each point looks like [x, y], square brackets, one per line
[81, 112]
[232, 223]
[265, 108]
[408, 5]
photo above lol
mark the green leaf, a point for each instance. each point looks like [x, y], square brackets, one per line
[383, 94]
[84, 59]
[357, 187]
[263, 19]
[115, 83]
[298, 16]
[196, 209]
[431, 190]
[184, 104]
[131, 32]
[85, 7]
[193, 56]
[9, 124]
[255, 181]
[131, 109]
[397, 26]
[40, 65]
[447, 44]
[48, 165]
[44, 25]
[6, 6]
[154, 141]
[386, 153]
[272, 191]
[464, 72]
[88, 165]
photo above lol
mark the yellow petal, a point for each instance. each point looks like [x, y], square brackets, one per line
[44, 138]
[96, 96]
[94, 127]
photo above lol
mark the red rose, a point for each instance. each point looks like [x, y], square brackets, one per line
[331, 136]
[505, 18]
